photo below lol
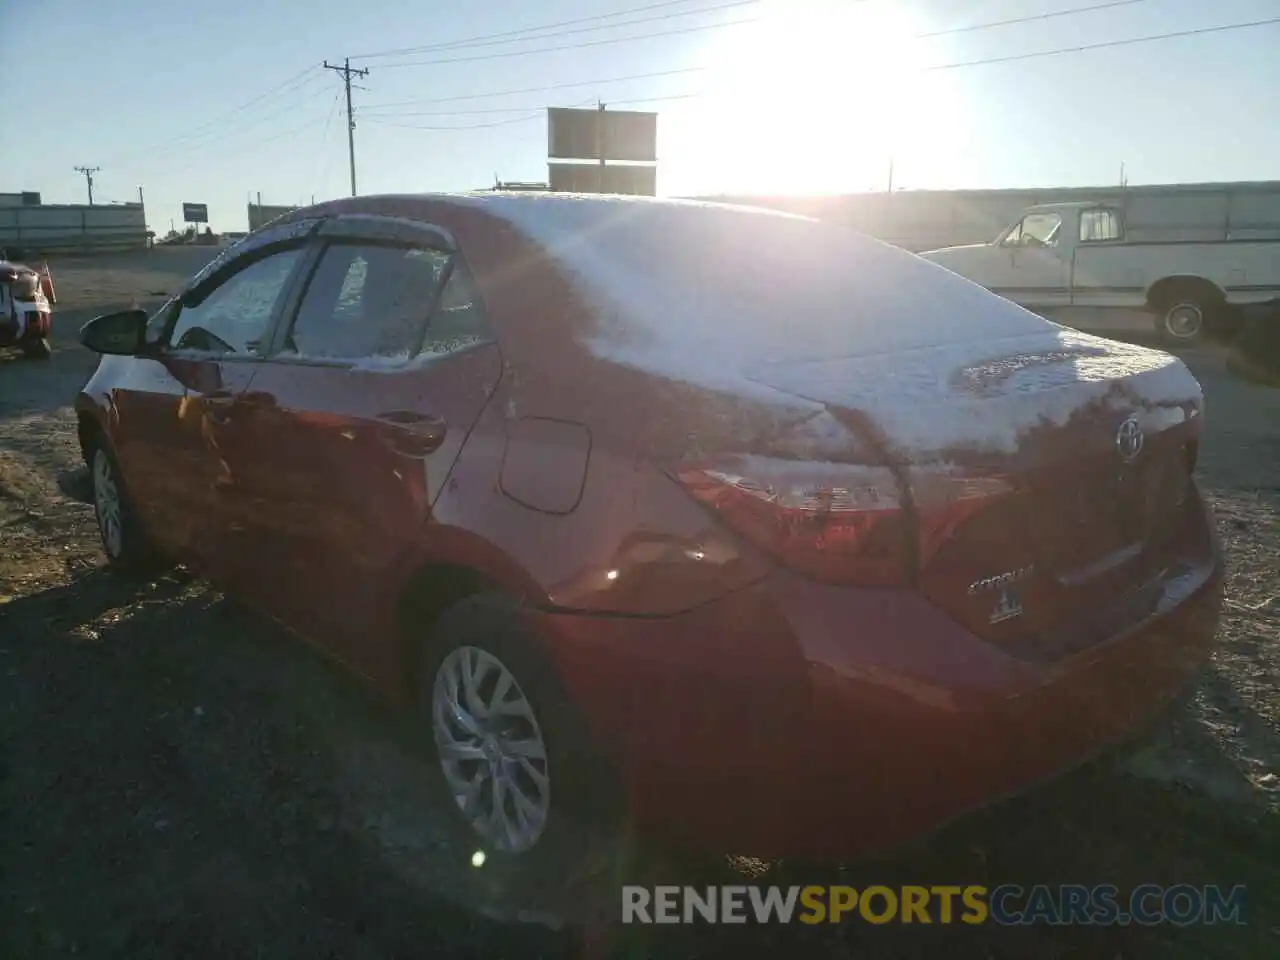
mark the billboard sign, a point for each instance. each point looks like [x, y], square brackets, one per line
[625, 135]
[594, 178]
[262, 214]
[195, 213]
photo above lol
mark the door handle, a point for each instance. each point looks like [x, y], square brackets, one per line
[410, 433]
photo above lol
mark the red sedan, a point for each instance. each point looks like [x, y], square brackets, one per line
[776, 538]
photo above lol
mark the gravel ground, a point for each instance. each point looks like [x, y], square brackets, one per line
[178, 778]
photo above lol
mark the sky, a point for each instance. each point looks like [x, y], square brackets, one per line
[217, 102]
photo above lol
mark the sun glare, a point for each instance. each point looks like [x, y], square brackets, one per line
[814, 97]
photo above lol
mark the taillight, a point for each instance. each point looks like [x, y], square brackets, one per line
[945, 499]
[841, 523]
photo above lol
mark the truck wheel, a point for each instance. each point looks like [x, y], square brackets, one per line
[36, 348]
[1182, 321]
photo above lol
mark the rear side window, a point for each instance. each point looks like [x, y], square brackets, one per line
[458, 320]
[371, 301]
[1099, 225]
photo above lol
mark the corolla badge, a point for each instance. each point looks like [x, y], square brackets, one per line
[1130, 439]
[1000, 579]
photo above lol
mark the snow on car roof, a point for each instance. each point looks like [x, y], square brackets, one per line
[753, 284]
[758, 301]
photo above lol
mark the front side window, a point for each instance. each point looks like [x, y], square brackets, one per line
[236, 315]
[1035, 230]
[370, 301]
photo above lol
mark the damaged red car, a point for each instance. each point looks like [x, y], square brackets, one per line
[26, 315]
[763, 535]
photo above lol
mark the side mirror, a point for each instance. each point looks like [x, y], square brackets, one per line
[122, 333]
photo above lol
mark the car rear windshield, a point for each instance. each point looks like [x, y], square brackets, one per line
[761, 287]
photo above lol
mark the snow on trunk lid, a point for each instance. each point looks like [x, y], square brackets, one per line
[984, 400]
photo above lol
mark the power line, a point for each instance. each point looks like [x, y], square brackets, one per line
[465, 45]
[520, 33]
[320, 170]
[310, 124]
[297, 81]
[555, 86]
[204, 142]
[449, 113]
[88, 179]
[576, 46]
[1032, 18]
[535, 115]
[919, 36]
[1103, 45]
[1060, 51]
[347, 72]
[522, 36]
[1035, 55]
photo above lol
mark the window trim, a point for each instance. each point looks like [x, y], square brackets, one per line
[367, 230]
[238, 256]
[208, 280]
[397, 231]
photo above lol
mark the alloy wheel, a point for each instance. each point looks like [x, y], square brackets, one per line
[491, 749]
[106, 504]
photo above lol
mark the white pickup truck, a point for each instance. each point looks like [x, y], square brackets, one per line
[1085, 260]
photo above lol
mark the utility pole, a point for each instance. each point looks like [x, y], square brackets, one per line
[600, 144]
[347, 73]
[88, 179]
[890, 190]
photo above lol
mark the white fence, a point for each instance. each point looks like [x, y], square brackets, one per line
[54, 228]
[926, 219]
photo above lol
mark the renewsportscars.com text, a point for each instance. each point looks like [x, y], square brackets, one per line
[1006, 905]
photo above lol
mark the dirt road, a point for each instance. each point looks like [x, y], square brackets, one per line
[179, 779]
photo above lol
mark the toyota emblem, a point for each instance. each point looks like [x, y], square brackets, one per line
[1129, 440]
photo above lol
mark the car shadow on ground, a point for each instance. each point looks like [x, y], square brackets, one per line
[164, 746]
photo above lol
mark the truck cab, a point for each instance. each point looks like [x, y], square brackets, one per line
[1030, 260]
[1093, 260]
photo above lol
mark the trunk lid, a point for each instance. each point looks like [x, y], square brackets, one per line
[1093, 440]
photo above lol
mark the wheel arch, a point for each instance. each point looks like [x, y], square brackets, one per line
[1165, 291]
[89, 428]
[452, 566]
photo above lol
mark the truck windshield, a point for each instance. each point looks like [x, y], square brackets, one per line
[1034, 230]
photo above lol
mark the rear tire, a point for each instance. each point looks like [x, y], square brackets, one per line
[1184, 321]
[524, 784]
[36, 348]
[123, 539]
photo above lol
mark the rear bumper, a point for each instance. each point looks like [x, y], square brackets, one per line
[797, 719]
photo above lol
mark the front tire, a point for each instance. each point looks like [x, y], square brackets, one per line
[123, 540]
